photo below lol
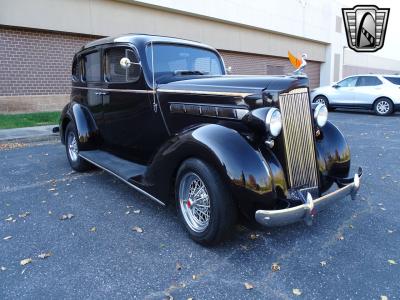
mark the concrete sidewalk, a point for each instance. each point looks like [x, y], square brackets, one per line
[28, 134]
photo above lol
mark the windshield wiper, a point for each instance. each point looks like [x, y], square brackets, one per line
[189, 72]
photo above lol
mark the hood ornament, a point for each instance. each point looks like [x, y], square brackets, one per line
[298, 64]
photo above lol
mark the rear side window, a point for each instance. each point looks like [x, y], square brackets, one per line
[76, 69]
[368, 81]
[114, 72]
[91, 63]
[394, 80]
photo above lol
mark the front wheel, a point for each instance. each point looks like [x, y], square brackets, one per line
[383, 107]
[204, 203]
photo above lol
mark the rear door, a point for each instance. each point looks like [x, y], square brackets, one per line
[368, 89]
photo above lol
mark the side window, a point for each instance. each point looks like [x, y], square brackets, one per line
[114, 72]
[368, 81]
[91, 63]
[348, 82]
[76, 69]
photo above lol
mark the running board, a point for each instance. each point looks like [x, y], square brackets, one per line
[122, 169]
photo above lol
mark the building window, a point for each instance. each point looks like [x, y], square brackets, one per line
[92, 67]
[114, 72]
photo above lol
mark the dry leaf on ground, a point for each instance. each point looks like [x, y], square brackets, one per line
[45, 255]
[137, 211]
[9, 219]
[66, 217]
[392, 262]
[383, 297]
[7, 238]
[178, 266]
[137, 229]
[25, 261]
[254, 236]
[24, 215]
[340, 237]
[296, 292]
[275, 267]
[390, 231]
[323, 263]
[248, 286]
[3, 268]
[93, 229]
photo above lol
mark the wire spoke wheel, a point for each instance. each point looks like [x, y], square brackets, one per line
[72, 146]
[194, 202]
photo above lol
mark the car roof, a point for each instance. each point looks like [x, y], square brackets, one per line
[371, 74]
[143, 39]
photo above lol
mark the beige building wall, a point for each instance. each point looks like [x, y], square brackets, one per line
[109, 17]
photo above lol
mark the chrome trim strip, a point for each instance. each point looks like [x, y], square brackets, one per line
[306, 211]
[123, 180]
[238, 113]
[115, 90]
[205, 93]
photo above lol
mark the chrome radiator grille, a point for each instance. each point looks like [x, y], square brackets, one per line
[298, 138]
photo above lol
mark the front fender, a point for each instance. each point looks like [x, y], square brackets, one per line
[242, 167]
[333, 155]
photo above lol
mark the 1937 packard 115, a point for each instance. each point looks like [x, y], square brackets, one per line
[162, 115]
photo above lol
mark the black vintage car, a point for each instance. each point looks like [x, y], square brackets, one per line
[162, 115]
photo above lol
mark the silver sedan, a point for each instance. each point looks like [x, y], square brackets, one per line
[380, 93]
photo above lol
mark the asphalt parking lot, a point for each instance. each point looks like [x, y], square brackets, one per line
[351, 252]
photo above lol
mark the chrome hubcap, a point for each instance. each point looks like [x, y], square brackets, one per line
[194, 202]
[383, 107]
[320, 100]
[72, 146]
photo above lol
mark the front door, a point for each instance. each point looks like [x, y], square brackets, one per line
[343, 92]
[132, 128]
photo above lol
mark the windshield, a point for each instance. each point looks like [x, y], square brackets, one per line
[172, 61]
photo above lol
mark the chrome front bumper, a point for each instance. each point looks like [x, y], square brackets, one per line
[308, 210]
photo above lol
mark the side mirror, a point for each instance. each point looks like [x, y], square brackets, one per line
[335, 86]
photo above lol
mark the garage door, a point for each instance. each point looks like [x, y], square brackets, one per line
[253, 64]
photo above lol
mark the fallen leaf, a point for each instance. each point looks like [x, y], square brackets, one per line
[50, 212]
[52, 190]
[3, 268]
[9, 219]
[383, 297]
[254, 236]
[137, 211]
[380, 204]
[351, 226]
[296, 292]
[137, 229]
[7, 237]
[45, 255]
[128, 212]
[323, 263]
[24, 215]
[275, 267]
[178, 266]
[194, 277]
[340, 237]
[392, 262]
[25, 261]
[390, 231]
[93, 229]
[66, 217]
[382, 208]
[189, 298]
[248, 286]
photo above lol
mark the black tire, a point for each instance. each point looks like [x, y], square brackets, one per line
[77, 163]
[383, 106]
[222, 211]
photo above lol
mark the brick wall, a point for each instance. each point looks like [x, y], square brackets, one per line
[36, 62]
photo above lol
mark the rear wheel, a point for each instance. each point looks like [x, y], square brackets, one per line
[204, 203]
[383, 107]
[72, 147]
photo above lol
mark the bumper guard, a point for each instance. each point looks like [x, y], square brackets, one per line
[307, 211]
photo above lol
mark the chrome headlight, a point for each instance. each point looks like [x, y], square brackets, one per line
[321, 114]
[273, 121]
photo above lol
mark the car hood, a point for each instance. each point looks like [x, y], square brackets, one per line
[235, 84]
